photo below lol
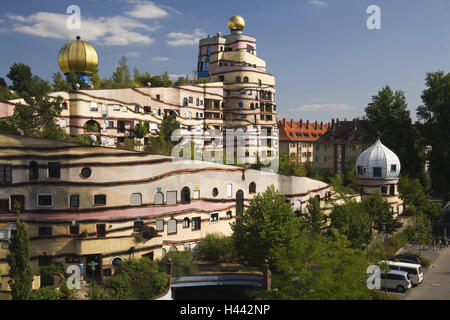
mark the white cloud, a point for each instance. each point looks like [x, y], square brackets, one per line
[160, 59]
[112, 31]
[133, 54]
[323, 107]
[147, 10]
[175, 77]
[318, 3]
[178, 39]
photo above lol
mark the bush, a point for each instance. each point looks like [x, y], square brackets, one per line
[46, 293]
[182, 263]
[216, 247]
[47, 273]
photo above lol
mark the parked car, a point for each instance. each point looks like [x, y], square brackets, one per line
[408, 258]
[414, 270]
[395, 280]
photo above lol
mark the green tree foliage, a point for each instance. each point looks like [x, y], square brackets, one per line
[141, 130]
[319, 269]
[313, 219]
[413, 195]
[420, 229]
[389, 116]
[163, 144]
[435, 116]
[381, 214]
[133, 280]
[182, 263]
[59, 83]
[290, 167]
[37, 116]
[216, 247]
[18, 258]
[269, 223]
[50, 293]
[122, 74]
[354, 222]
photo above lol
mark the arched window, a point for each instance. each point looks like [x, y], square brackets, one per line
[252, 188]
[186, 223]
[159, 198]
[241, 104]
[246, 79]
[239, 203]
[116, 261]
[383, 189]
[215, 192]
[173, 249]
[392, 190]
[33, 170]
[185, 102]
[238, 79]
[185, 195]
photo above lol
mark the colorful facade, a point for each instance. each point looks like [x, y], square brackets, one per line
[83, 204]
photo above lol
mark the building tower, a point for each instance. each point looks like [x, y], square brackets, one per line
[378, 169]
[249, 91]
[78, 57]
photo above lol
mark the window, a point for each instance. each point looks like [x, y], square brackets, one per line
[171, 197]
[185, 102]
[196, 223]
[191, 100]
[215, 192]
[377, 172]
[245, 79]
[259, 82]
[394, 168]
[64, 105]
[172, 226]
[239, 203]
[45, 231]
[100, 200]
[252, 188]
[221, 78]
[45, 260]
[110, 124]
[45, 200]
[197, 102]
[136, 199]
[94, 107]
[160, 225]
[241, 104]
[383, 189]
[185, 195]
[392, 190]
[238, 79]
[158, 97]
[116, 108]
[101, 230]
[136, 109]
[147, 109]
[75, 201]
[159, 198]
[186, 223]
[229, 214]
[4, 205]
[33, 170]
[230, 191]
[5, 174]
[74, 230]
[214, 217]
[54, 170]
[86, 172]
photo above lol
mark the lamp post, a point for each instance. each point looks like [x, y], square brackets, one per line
[93, 264]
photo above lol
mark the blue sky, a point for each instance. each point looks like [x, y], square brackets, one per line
[326, 61]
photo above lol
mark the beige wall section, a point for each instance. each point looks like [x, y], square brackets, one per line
[238, 56]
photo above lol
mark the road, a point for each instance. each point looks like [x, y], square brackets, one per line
[436, 283]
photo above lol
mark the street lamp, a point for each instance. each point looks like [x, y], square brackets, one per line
[93, 264]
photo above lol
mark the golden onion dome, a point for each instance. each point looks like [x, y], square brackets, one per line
[236, 23]
[78, 56]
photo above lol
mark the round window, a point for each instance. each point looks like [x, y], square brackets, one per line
[86, 172]
[215, 192]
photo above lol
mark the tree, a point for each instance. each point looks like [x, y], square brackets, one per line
[141, 130]
[435, 117]
[420, 230]
[182, 263]
[381, 214]
[388, 116]
[3, 83]
[354, 222]
[18, 258]
[21, 77]
[269, 223]
[215, 247]
[122, 74]
[413, 194]
[313, 219]
[59, 83]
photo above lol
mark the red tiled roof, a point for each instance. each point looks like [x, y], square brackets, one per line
[301, 131]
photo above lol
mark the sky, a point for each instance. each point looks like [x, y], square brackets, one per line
[326, 60]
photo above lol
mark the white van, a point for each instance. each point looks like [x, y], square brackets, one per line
[395, 280]
[414, 270]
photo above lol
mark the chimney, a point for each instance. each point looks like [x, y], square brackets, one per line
[333, 124]
[292, 123]
[301, 123]
[315, 125]
[307, 124]
[321, 125]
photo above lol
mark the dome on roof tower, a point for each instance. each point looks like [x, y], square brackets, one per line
[378, 162]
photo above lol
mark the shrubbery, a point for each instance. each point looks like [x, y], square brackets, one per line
[216, 247]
